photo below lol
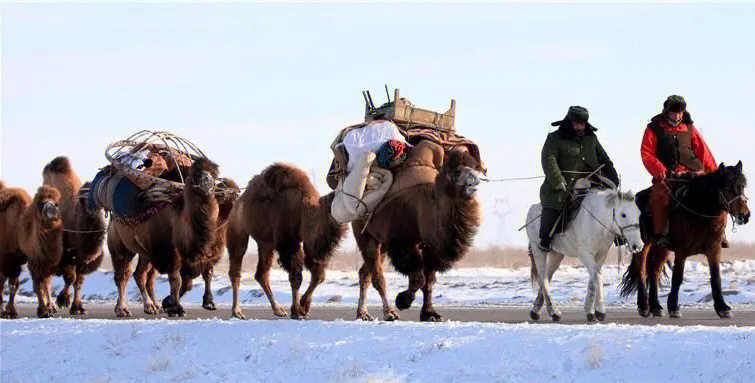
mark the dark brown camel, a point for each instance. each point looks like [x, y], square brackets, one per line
[696, 226]
[32, 231]
[179, 233]
[145, 273]
[84, 231]
[283, 212]
[424, 228]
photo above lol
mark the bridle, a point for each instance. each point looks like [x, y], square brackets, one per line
[622, 228]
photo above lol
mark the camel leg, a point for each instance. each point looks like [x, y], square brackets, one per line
[677, 276]
[77, 307]
[317, 270]
[69, 277]
[40, 288]
[554, 261]
[51, 307]
[172, 303]
[295, 279]
[378, 282]
[365, 278]
[10, 309]
[141, 277]
[405, 298]
[208, 301]
[151, 277]
[262, 275]
[428, 313]
[714, 259]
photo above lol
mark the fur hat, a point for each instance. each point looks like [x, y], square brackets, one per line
[576, 114]
[675, 103]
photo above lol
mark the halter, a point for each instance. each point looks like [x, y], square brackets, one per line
[622, 228]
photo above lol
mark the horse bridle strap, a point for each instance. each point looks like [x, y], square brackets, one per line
[625, 227]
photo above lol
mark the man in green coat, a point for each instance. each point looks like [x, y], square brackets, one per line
[569, 153]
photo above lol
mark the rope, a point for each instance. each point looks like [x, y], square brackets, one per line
[84, 231]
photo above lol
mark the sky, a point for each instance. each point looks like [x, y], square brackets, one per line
[252, 84]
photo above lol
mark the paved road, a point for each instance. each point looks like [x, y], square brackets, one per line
[504, 314]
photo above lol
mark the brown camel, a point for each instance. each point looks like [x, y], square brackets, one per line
[283, 212]
[32, 230]
[179, 233]
[424, 227]
[84, 231]
[145, 273]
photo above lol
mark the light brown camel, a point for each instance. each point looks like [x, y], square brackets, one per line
[179, 233]
[32, 230]
[424, 228]
[84, 231]
[283, 212]
[145, 273]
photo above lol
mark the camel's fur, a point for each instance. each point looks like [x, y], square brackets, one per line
[13, 203]
[283, 212]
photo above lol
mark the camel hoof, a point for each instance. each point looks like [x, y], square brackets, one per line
[591, 318]
[724, 314]
[657, 312]
[122, 312]
[644, 312]
[430, 316]
[298, 316]
[556, 317]
[236, 313]
[364, 315]
[176, 311]
[279, 312]
[63, 300]
[674, 314]
[209, 306]
[151, 309]
[390, 316]
[534, 315]
[43, 312]
[77, 310]
[404, 300]
[52, 308]
[600, 316]
[9, 314]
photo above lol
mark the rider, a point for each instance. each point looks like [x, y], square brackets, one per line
[569, 153]
[671, 146]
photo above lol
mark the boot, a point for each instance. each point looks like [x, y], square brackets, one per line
[663, 240]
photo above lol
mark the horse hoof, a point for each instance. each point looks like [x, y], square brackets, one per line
[591, 318]
[167, 304]
[674, 314]
[724, 314]
[556, 317]
[534, 315]
[404, 300]
[644, 312]
[600, 316]
[657, 313]
[430, 316]
[390, 316]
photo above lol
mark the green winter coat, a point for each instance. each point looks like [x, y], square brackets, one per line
[565, 151]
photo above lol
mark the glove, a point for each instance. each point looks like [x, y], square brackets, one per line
[619, 241]
[561, 186]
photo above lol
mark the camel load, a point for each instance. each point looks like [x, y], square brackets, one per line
[146, 173]
[367, 155]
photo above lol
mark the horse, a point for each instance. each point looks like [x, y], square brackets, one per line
[603, 216]
[697, 225]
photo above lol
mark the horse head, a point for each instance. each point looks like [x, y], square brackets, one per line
[626, 218]
[732, 196]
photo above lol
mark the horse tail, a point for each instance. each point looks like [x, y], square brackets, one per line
[533, 268]
[635, 273]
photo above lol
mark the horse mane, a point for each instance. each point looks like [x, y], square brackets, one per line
[700, 192]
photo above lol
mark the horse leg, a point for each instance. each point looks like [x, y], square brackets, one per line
[589, 262]
[540, 260]
[554, 261]
[655, 304]
[317, 270]
[428, 313]
[208, 301]
[69, 277]
[77, 307]
[714, 258]
[295, 279]
[237, 244]
[677, 278]
[2, 288]
[262, 275]
[141, 277]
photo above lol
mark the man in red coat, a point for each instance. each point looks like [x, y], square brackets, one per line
[672, 146]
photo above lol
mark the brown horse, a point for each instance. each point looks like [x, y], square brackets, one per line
[32, 230]
[424, 229]
[282, 211]
[178, 234]
[84, 231]
[145, 273]
[696, 226]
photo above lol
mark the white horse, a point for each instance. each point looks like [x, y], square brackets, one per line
[603, 216]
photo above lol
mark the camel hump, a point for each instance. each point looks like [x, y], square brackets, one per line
[10, 196]
[278, 178]
[60, 164]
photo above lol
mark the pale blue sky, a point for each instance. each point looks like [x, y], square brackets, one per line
[257, 83]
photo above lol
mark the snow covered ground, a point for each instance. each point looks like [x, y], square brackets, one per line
[64, 350]
[469, 287]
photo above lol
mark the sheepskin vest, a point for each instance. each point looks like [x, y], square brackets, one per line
[675, 148]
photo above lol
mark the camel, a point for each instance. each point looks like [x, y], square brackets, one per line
[84, 231]
[145, 273]
[179, 233]
[32, 230]
[424, 227]
[283, 212]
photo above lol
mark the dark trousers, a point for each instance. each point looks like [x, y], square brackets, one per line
[547, 220]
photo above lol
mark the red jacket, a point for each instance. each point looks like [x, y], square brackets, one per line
[650, 157]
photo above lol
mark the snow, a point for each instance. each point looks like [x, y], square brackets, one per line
[468, 287]
[34, 350]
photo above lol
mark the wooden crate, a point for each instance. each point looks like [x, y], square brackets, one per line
[403, 113]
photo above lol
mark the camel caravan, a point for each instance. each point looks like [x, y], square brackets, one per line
[404, 181]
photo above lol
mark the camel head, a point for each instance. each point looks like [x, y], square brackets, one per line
[459, 177]
[226, 193]
[201, 176]
[47, 206]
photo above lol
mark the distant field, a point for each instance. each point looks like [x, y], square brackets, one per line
[492, 256]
